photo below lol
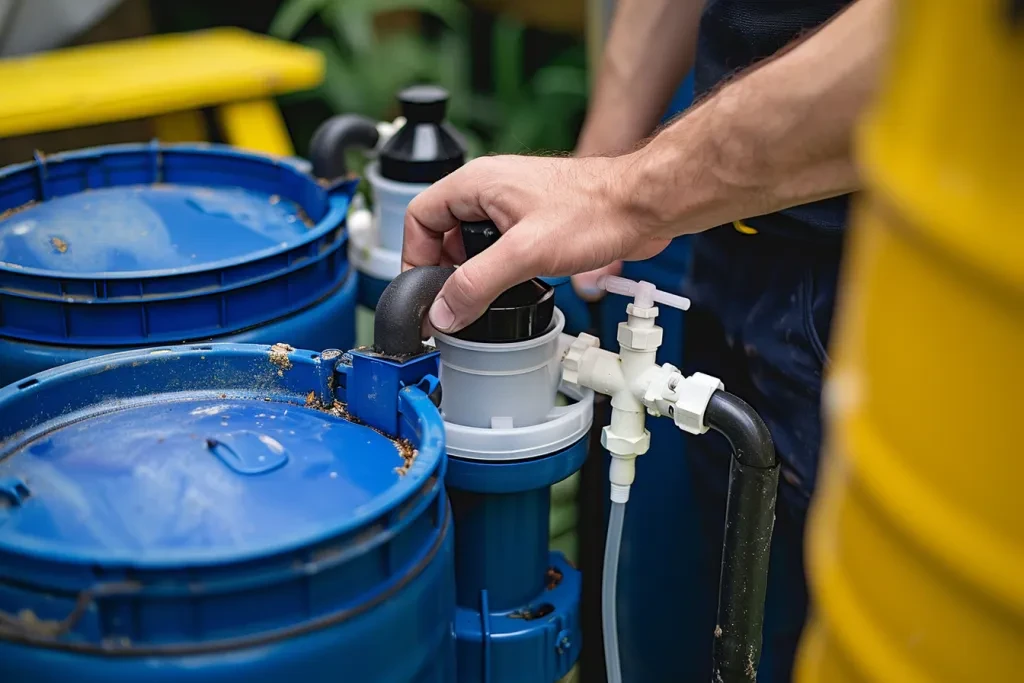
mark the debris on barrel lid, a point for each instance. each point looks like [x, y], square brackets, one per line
[279, 357]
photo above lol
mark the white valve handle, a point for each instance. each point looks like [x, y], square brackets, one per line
[644, 293]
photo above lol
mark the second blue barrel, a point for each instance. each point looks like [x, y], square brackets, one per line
[207, 514]
[129, 246]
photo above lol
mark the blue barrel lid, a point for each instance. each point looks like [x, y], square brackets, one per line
[206, 466]
[143, 244]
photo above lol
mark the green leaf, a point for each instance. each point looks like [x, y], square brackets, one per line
[507, 50]
[451, 12]
[352, 26]
[341, 87]
[560, 80]
[475, 146]
[292, 16]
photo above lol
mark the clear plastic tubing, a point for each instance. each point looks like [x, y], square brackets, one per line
[609, 616]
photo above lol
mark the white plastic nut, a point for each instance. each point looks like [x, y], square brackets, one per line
[640, 312]
[625, 445]
[660, 390]
[690, 402]
[639, 339]
[574, 355]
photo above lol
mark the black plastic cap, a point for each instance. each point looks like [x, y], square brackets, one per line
[520, 313]
[478, 235]
[426, 148]
[424, 104]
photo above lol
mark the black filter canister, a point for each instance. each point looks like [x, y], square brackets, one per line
[520, 313]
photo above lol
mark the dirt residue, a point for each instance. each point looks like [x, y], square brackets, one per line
[408, 454]
[279, 357]
[553, 578]
[60, 245]
[301, 214]
[338, 409]
[531, 613]
[17, 209]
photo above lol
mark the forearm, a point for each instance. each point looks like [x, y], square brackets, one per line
[649, 51]
[779, 136]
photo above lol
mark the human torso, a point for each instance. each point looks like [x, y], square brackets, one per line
[734, 34]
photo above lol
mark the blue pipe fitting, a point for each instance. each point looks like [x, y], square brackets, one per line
[517, 604]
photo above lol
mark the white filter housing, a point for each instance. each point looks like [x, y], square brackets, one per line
[499, 400]
[501, 385]
[375, 247]
[390, 200]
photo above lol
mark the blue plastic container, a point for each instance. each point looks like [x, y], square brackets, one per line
[196, 514]
[140, 245]
[517, 617]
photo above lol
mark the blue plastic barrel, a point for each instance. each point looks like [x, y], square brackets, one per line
[130, 246]
[225, 513]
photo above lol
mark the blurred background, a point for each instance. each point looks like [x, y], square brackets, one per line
[516, 69]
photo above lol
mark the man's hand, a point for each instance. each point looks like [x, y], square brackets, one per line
[557, 217]
[779, 136]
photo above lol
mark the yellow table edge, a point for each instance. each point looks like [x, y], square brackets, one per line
[279, 68]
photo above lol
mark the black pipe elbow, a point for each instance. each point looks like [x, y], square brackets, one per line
[402, 309]
[746, 543]
[334, 137]
[746, 432]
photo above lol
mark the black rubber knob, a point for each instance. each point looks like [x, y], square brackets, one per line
[478, 235]
[424, 104]
[519, 313]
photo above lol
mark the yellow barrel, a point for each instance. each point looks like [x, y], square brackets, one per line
[916, 547]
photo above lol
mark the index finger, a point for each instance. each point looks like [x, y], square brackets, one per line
[438, 209]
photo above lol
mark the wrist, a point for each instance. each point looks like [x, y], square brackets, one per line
[677, 183]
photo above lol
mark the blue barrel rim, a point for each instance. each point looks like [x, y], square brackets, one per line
[200, 150]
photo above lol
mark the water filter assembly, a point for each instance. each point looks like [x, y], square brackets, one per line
[405, 156]
[637, 385]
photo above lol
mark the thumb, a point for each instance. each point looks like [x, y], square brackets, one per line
[479, 281]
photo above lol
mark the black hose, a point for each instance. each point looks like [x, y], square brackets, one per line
[402, 309]
[749, 521]
[334, 137]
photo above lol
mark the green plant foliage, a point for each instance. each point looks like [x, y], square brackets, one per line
[366, 69]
